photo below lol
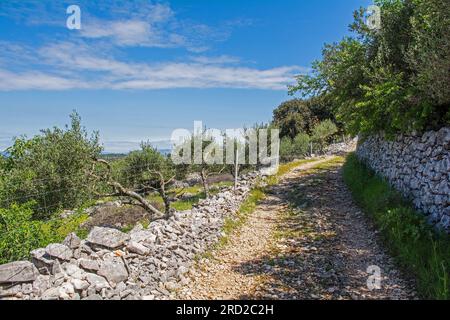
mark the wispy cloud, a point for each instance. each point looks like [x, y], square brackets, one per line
[80, 66]
[148, 26]
[35, 80]
[223, 59]
[133, 23]
[97, 56]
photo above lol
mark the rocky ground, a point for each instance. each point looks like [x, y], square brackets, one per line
[306, 240]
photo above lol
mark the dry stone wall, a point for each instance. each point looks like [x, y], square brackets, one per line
[146, 263]
[416, 165]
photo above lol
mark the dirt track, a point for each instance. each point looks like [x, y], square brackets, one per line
[306, 240]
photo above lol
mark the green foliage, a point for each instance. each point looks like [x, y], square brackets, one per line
[411, 240]
[201, 153]
[322, 133]
[297, 148]
[301, 144]
[294, 116]
[140, 168]
[50, 169]
[429, 55]
[20, 233]
[147, 170]
[394, 79]
[286, 149]
[300, 116]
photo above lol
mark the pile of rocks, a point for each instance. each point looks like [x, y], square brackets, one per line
[146, 263]
[418, 166]
[342, 148]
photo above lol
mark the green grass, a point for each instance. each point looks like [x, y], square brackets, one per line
[416, 246]
[247, 207]
[196, 192]
[285, 168]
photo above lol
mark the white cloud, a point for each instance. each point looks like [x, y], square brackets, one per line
[79, 66]
[127, 33]
[148, 25]
[90, 60]
[223, 59]
[10, 81]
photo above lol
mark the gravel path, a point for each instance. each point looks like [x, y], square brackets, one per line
[305, 240]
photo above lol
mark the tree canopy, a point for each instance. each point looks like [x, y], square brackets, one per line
[392, 79]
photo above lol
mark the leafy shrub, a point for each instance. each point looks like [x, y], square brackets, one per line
[50, 169]
[322, 133]
[20, 233]
[286, 149]
[301, 144]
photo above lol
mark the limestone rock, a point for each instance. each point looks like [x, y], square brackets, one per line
[79, 284]
[59, 251]
[138, 248]
[113, 269]
[93, 297]
[107, 237]
[51, 294]
[89, 265]
[72, 241]
[97, 282]
[17, 272]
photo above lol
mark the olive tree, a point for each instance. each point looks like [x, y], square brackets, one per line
[50, 168]
[203, 154]
[142, 171]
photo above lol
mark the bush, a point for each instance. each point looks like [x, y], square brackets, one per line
[20, 233]
[299, 147]
[50, 169]
[414, 243]
[301, 144]
[286, 149]
[323, 133]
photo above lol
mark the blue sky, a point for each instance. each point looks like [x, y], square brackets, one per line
[136, 70]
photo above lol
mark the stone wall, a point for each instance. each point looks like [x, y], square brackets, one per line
[146, 263]
[416, 165]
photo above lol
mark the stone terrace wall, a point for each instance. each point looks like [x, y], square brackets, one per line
[418, 166]
[146, 263]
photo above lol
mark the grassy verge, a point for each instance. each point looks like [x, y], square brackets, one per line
[414, 244]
